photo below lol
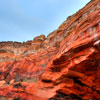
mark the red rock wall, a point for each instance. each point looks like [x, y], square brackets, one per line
[63, 66]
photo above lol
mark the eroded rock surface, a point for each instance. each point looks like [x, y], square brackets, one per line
[65, 65]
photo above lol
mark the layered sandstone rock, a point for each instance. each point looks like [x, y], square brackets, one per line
[63, 66]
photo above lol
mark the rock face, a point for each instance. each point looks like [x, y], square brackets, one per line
[63, 66]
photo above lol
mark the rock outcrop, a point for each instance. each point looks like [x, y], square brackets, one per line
[65, 65]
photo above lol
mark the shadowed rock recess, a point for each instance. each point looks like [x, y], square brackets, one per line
[65, 65]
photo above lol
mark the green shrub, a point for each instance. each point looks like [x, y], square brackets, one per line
[7, 82]
[16, 99]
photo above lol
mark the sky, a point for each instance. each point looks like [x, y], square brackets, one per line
[22, 20]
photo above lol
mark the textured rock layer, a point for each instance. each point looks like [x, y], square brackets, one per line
[63, 66]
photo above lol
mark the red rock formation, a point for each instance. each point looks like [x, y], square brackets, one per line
[63, 66]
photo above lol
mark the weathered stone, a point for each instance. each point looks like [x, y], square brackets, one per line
[2, 83]
[63, 66]
[12, 81]
[41, 37]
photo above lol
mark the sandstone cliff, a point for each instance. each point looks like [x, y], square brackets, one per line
[65, 65]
